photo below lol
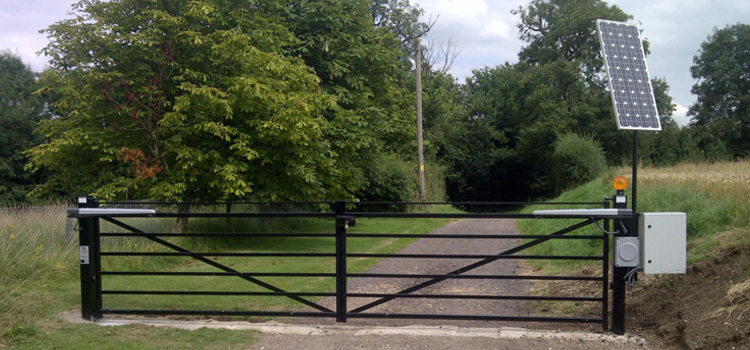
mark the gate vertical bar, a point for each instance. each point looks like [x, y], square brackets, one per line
[618, 278]
[605, 274]
[91, 285]
[341, 226]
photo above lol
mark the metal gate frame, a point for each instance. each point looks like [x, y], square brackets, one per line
[92, 274]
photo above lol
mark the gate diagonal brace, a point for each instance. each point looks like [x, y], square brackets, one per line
[215, 264]
[472, 266]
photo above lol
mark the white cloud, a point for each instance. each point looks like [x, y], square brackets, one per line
[680, 115]
[20, 22]
[497, 29]
[676, 29]
[484, 31]
[456, 10]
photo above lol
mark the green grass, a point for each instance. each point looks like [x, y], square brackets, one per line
[258, 264]
[60, 335]
[715, 198]
[40, 276]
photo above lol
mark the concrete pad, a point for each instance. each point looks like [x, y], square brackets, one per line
[416, 330]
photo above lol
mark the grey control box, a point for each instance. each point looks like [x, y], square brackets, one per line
[627, 252]
[663, 242]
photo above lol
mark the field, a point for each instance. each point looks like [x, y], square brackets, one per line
[39, 266]
[40, 273]
[709, 307]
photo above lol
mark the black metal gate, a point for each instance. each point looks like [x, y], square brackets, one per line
[94, 248]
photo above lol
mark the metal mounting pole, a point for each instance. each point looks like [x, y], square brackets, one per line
[635, 172]
[618, 273]
[618, 280]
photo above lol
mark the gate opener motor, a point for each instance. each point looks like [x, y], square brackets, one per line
[661, 247]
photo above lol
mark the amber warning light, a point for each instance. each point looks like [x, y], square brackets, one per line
[620, 183]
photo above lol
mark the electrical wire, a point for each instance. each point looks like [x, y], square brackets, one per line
[624, 230]
[630, 277]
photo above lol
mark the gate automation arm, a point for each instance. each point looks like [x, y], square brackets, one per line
[214, 264]
[471, 267]
[91, 212]
[584, 213]
[592, 214]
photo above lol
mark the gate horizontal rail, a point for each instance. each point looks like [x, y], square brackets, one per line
[92, 273]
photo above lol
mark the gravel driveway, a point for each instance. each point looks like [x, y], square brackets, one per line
[359, 339]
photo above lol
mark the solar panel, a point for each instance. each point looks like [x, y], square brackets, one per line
[629, 82]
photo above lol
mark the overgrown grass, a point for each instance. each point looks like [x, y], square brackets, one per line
[37, 249]
[39, 262]
[716, 198]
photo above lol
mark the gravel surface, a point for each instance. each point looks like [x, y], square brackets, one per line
[358, 340]
[345, 342]
[450, 286]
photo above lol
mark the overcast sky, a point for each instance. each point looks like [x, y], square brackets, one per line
[484, 31]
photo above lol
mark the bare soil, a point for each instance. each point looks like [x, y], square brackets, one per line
[707, 308]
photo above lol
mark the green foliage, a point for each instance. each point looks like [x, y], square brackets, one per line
[215, 99]
[435, 174]
[672, 145]
[390, 179]
[577, 160]
[721, 115]
[712, 206]
[517, 112]
[21, 110]
[40, 279]
[706, 215]
[561, 29]
[402, 19]
[360, 65]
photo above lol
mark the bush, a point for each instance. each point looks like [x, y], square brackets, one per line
[576, 160]
[390, 179]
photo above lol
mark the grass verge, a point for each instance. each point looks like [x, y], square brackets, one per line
[716, 198]
[40, 276]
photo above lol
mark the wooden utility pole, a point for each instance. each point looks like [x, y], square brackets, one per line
[420, 144]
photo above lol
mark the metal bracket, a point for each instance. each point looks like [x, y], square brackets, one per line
[349, 220]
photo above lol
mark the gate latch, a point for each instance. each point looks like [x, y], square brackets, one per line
[348, 220]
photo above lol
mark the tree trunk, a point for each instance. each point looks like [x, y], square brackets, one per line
[182, 208]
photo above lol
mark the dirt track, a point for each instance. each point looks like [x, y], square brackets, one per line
[445, 306]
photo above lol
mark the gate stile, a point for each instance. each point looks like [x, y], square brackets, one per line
[91, 273]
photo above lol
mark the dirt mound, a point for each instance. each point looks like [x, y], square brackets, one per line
[707, 308]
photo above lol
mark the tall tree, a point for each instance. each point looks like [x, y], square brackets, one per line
[557, 88]
[401, 18]
[565, 29]
[562, 40]
[185, 100]
[722, 111]
[20, 110]
[359, 65]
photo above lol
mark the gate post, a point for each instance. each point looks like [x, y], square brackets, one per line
[341, 226]
[605, 273]
[91, 284]
[619, 273]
